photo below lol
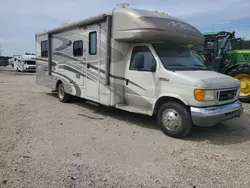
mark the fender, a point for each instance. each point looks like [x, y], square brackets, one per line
[227, 70]
[170, 96]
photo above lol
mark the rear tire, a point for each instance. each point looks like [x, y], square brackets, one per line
[243, 74]
[62, 96]
[174, 119]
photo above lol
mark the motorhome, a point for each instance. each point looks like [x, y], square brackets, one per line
[138, 61]
[11, 61]
[25, 63]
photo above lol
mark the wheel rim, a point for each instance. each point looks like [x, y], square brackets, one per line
[244, 84]
[61, 92]
[171, 119]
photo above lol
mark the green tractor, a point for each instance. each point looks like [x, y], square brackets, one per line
[219, 55]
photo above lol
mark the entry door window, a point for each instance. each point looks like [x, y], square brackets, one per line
[142, 59]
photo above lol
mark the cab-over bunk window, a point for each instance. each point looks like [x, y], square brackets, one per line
[44, 48]
[92, 43]
[142, 59]
[78, 48]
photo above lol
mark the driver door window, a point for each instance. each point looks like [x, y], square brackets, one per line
[142, 59]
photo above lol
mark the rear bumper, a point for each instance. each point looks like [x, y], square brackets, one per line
[205, 117]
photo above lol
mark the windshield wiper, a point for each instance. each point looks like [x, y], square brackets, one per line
[177, 65]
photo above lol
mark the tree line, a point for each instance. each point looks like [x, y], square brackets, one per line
[241, 44]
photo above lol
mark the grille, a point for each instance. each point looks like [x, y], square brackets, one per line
[226, 94]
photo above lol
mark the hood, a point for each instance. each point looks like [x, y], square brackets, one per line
[242, 51]
[209, 79]
[239, 55]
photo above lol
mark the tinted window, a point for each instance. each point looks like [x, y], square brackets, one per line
[92, 43]
[44, 48]
[78, 48]
[142, 59]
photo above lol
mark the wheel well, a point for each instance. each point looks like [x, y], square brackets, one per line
[163, 100]
[57, 83]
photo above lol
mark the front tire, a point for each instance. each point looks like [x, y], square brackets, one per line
[174, 119]
[242, 73]
[62, 96]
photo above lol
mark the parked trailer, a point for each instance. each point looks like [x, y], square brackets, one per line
[25, 63]
[138, 61]
[11, 61]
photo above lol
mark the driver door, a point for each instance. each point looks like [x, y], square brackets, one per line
[140, 77]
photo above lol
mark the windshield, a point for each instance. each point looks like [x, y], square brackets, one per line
[179, 58]
[228, 44]
[30, 62]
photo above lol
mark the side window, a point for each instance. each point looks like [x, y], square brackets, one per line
[44, 48]
[93, 43]
[142, 59]
[78, 48]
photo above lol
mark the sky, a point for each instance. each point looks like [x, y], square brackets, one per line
[20, 20]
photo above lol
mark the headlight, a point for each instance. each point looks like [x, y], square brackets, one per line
[204, 95]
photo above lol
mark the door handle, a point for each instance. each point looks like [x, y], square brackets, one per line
[126, 81]
[165, 79]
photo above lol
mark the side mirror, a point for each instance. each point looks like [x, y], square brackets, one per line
[139, 62]
[153, 68]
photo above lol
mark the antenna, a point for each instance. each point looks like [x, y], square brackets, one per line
[123, 5]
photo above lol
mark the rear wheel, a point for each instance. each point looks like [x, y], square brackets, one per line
[174, 119]
[242, 74]
[62, 96]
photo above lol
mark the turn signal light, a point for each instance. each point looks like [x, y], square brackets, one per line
[199, 94]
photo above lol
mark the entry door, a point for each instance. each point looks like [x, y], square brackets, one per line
[140, 77]
[92, 68]
[21, 65]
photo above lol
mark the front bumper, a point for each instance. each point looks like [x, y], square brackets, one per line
[209, 116]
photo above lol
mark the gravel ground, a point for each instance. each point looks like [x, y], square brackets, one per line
[45, 143]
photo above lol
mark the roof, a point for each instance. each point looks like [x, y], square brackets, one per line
[215, 32]
[27, 57]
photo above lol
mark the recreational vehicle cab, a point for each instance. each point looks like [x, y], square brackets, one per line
[25, 63]
[138, 61]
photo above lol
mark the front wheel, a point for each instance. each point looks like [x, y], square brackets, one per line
[174, 119]
[62, 96]
[242, 74]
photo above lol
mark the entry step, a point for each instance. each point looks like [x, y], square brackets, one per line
[132, 109]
